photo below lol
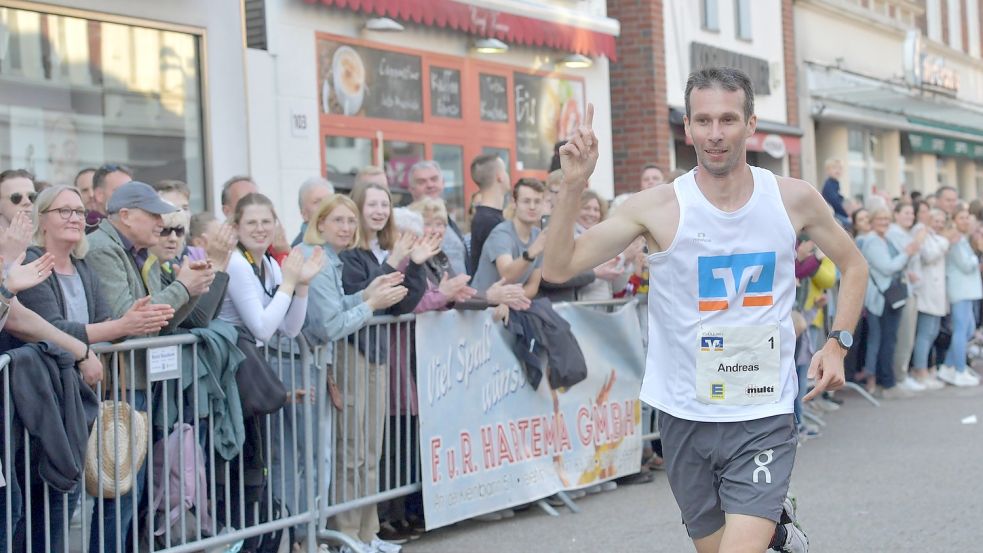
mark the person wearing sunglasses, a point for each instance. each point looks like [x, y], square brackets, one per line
[170, 252]
[16, 194]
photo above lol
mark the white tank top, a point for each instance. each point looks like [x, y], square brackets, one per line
[733, 270]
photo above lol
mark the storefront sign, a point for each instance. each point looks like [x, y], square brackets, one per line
[926, 71]
[702, 56]
[360, 81]
[492, 90]
[930, 144]
[547, 109]
[445, 92]
[489, 441]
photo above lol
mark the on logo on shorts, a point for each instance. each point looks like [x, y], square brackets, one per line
[747, 278]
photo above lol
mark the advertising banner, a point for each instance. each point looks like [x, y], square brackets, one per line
[489, 441]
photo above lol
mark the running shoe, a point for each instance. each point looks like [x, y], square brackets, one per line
[964, 379]
[911, 385]
[947, 374]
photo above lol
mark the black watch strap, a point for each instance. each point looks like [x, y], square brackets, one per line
[6, 293]
[525, 255]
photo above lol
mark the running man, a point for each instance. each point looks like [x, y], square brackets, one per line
[720, 362]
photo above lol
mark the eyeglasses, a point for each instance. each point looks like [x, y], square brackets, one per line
[166, 231]
[66, 213]
[16, 198]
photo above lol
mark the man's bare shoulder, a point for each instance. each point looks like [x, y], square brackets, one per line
[656, 211]
[803, 202]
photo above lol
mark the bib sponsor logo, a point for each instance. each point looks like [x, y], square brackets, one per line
[758, 390]
[746, 279]
[762, 460]
[711, 343]
[717, 390]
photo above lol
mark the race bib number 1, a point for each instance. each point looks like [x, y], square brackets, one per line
[738, 365]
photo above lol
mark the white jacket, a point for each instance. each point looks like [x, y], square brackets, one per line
[930, 291]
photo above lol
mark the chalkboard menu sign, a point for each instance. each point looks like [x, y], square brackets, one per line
[492, 92]
[547, 109]
[445, 92]
[359, 81]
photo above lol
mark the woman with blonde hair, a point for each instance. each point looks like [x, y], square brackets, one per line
[379, 251]
[887, 264]
[71, 299]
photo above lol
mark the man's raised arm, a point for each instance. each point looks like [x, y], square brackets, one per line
[565, 258]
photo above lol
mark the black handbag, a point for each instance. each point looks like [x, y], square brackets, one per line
[261, 391]
[896, 294]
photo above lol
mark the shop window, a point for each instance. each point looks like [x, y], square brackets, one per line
[344, 156]
[709, 15]
[78, 92]
[451, 160]
[398, 157]
[865, 161]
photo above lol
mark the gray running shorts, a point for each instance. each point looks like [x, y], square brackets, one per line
[728, 467]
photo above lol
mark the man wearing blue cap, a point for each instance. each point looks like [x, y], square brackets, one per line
[118, 255]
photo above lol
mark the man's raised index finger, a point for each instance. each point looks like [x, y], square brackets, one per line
[590, 114]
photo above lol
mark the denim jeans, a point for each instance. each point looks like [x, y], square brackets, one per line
[882, 335]
[963, 324]
[104, 526]
[926, 331]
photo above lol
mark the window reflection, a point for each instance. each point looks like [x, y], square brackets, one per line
[76, 92]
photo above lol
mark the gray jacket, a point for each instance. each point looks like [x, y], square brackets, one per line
[122, 284]
[55, 407]
[331, 314]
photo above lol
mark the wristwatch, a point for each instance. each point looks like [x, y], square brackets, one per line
[842, 337]
[6, 293]
[525, 255]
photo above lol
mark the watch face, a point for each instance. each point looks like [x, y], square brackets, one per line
[845, 338]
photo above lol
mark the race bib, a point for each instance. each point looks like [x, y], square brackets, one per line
[738, 365]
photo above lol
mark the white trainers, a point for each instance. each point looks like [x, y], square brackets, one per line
[382, 546]
[911, 385]
[947, 374]
[609, 486]
[894, 392]
[931, 383]
[964, 379]
[796, 540]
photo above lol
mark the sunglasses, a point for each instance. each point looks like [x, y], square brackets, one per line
[16, 198]
[166, 231]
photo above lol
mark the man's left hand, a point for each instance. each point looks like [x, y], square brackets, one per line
[826, 369]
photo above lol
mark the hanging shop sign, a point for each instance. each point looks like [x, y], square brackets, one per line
[547, 110]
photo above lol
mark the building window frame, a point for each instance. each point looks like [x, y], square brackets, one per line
[742, 20]
[198, 33]
[710, 15]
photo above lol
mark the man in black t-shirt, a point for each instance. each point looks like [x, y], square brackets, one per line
[488, 171]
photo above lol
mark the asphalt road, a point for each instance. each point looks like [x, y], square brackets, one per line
[903, 477]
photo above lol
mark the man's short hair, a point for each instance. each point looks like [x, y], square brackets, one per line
[648, 166]
[484, 169]
[938, 193]
[309, 185]
[199, 224]
[99, 177]
[727, 78]
[533, 184]
[16, 173]
[172, 185]
[78, 175]
[423, 164]
[367, 171]
[228, 184]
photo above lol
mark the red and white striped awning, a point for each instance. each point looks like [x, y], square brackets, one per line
[571, 35]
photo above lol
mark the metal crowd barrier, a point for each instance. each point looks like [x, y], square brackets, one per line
[310, 469]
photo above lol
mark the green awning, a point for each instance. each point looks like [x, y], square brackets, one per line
[930, 144]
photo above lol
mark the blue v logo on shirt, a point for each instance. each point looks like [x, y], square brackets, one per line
[747, 278]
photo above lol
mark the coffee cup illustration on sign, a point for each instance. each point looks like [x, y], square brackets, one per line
[349, 79]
